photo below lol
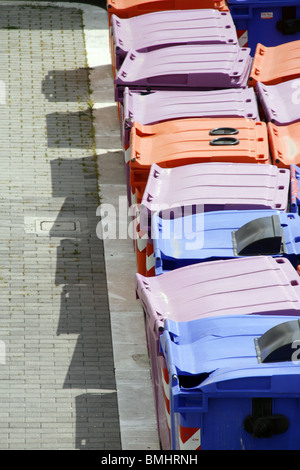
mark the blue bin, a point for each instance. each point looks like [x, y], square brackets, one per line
[234, 382]
[210, 236]
[270, 23]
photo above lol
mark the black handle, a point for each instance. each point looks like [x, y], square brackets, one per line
[224, 141]
[291, 26]
[262, 423]
[289, 23]
[224, 131]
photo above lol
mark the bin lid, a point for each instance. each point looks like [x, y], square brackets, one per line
[199, 66]
[249, 285]
[272, 65]
[217, 186]
[281, 102]
[284, 144]
[222, 352]
[128, 8]
[196, 140]
[208, 236]
[167, 28]
[160, 105]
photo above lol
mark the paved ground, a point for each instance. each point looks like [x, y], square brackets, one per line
[59, 284]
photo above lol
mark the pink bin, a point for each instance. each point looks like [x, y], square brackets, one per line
[258, 285]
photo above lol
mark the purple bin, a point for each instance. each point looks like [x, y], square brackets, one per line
[259, 285]
[163, 105]
[168, 28]
[185, 67]
[281, 102]
[214, 187]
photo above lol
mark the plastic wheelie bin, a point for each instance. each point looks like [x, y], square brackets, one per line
[284, 144]
[245, 286]
[129, 8]
[209, 236]
[208, 187]
[187, 141]
[167, 28]
[270, 22]
[281, 102]
[158, 106]
[184, 67]
[234, 382]
[272, 65]
[216, 186]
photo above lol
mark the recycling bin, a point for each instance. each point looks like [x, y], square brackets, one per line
[158, 106]
[234, 382]
[277, 64]
[209, 236]
[184, 67]
[270, 22]
[284, 144]
[197, 140]
[206, 187]
[167, 28]
[280, 103]
[262, 286]
[216, 186]
[129, 8]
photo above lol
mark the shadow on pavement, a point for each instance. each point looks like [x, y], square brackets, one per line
[80, 271]
[100, 412]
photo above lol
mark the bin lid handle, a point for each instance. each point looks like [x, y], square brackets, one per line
[224, 131]
[224, 141]
[288, 25]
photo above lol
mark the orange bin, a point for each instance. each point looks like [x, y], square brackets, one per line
[272, 65]
[284, 144]
[130, 8]
[196, 140]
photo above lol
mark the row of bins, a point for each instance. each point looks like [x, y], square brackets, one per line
[210, 136]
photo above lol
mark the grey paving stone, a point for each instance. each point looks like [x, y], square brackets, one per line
[54, 315]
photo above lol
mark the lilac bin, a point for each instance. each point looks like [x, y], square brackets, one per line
[244, 286]
[167, 28]
[194, 66]
[215, 186]
[281, 102]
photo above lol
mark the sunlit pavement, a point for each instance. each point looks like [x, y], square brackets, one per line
[74, 366]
